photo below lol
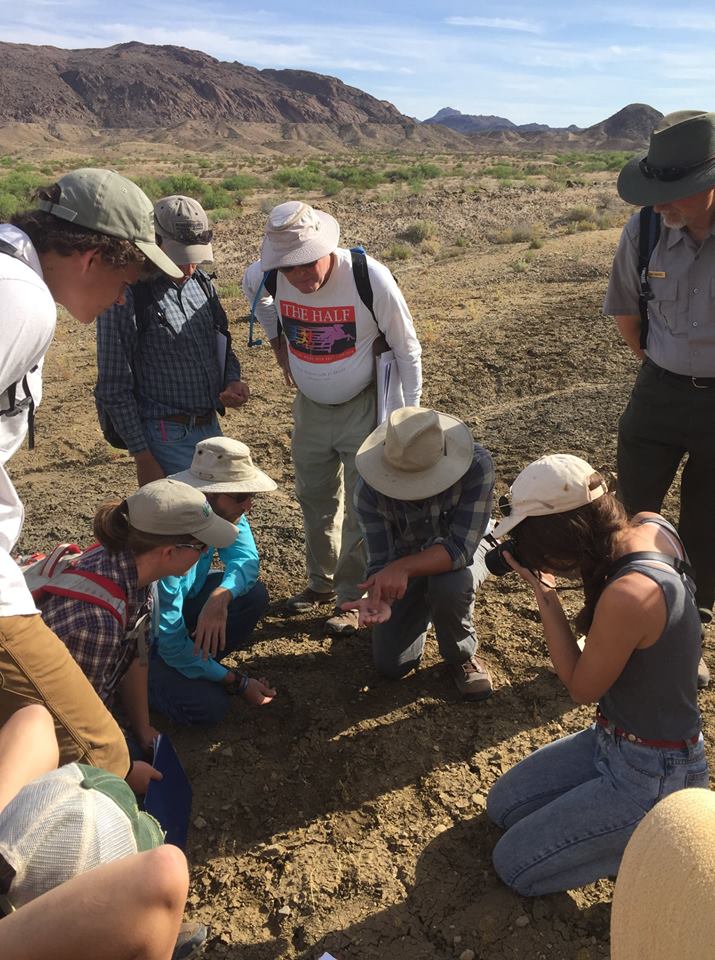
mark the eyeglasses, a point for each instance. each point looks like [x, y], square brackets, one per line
[198, 547]
[669, 174]
[298, 266]
[185, 233]
[240, 497]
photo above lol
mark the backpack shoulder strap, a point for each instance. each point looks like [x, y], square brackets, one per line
[143, 303]
[270, 282]
[205, 281]
[680, 566]
[361, 275]
[648, 234]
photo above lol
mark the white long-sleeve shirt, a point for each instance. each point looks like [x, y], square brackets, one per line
[330, 333]
[28, 325]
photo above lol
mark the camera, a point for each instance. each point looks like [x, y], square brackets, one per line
[494, 559]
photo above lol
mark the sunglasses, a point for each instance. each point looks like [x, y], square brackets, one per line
[670, 174]
[198, 547]
[298, 266]
[504, 504]
[185, 233]
[240, 497]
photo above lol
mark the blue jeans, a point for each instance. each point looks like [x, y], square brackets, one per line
[570, 808]
[173, 443]
[204, 702]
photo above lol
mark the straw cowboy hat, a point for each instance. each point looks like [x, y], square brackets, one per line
[415, 453]
[679, 163]
[664, 900]
[297, 234]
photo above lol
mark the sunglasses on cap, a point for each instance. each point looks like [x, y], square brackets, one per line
[504, 504]
[185, 233]
[670, 174]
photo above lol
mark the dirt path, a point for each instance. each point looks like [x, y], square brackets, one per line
[349, 815]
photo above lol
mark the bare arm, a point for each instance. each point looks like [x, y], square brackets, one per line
[629, 327]
[135, 700]
[148, 468]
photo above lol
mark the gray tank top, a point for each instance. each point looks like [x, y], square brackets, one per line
[656, 695]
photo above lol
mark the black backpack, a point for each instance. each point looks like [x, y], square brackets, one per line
[145, 309]
[649, 231]
[361, 275]
[27, 401]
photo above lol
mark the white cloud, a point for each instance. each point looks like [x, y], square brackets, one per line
[494, 23]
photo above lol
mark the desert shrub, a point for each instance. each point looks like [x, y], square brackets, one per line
[229, 288]
[580, 213]
[517, 233]
[218, 214]
[17, 189]
[399, 251]
[536, 244]
[300, 178]
[418, 231]
[357, 178]
[581, 226]
[414, 172]
[461, 242]
[502, 171]
[240, 182]
[430, 247]
[520, 266]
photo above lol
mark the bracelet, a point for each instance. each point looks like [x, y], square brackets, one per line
[243, 685]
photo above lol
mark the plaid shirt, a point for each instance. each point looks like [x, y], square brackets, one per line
[171, 368]
[92, 634]
[456, 518]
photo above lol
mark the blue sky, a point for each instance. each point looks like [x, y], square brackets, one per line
[552, 62]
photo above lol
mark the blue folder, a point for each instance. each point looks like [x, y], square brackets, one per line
[169, 799]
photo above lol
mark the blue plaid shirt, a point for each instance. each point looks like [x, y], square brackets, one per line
[170, 368]
[456, 519]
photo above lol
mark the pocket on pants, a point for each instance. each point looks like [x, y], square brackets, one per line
[166, 431]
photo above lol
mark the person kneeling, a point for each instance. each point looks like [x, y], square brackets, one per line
[569, 808]
[424, 500]
[205, 614]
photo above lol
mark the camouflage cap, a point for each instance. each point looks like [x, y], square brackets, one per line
[106, 202]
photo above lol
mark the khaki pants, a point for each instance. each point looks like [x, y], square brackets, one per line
[325, 441]
[36, 667]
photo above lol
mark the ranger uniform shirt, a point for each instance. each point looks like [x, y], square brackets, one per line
[681, 274]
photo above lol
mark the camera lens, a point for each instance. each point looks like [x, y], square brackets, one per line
[495, 561]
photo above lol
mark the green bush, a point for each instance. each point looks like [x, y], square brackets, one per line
[399, 251]
[300, 178]
[419, 230]
[502, 171]
[240, 182]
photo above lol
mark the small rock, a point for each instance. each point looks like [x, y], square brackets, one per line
[522, 920]
[200, 823]
[467, 955]
[284, 911]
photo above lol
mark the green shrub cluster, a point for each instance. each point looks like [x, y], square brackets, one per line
[18, 187]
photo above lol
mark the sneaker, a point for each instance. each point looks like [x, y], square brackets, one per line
[473, 679]
[342, 623]
[307, 600]
[191, 941]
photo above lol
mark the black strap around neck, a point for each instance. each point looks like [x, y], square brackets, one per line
[680, 566]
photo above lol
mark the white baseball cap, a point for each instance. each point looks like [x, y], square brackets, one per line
[553, 484]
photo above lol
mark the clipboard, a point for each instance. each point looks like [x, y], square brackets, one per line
[169, 799]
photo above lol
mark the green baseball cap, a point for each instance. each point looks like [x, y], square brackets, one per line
[105, 201]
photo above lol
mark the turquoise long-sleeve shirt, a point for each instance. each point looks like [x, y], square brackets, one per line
[240, 574]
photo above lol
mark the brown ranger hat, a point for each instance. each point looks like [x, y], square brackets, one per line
[680, 161]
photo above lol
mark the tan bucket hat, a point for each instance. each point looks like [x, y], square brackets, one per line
[553, 484]
[105, 201]
[168, 507]
[416, 453]
[184, 228]
[297, 234]
[223, 465]
[679, 163]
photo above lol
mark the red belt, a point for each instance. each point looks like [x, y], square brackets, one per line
[632, 738]
[198, 420]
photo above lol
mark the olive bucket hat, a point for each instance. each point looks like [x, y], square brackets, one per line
[106, 202]
[680, 161]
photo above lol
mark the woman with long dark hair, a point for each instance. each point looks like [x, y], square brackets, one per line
[569, 809]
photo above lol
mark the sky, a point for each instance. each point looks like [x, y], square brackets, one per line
[554, 62]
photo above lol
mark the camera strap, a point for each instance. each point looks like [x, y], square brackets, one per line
[680, 566]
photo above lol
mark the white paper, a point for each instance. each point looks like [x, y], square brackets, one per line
[389, 385]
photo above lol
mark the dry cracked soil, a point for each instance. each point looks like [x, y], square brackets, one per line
[348, 815]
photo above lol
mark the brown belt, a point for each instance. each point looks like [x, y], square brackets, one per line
[632, 738]
[190, 419]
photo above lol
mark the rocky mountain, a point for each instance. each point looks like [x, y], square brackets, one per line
[633, 123]
[481, 123]
[142, 87]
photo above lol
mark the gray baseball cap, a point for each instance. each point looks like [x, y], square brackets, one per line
[184, 228]
[105, 201]
[169, 507]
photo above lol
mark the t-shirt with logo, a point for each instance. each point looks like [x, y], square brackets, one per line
[330, 333]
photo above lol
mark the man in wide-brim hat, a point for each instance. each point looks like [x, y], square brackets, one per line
[662, 296]
[423, 500]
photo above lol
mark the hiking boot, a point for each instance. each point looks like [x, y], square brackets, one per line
[191, 941]
[307, 600]
[342, 623]
[473, 679]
